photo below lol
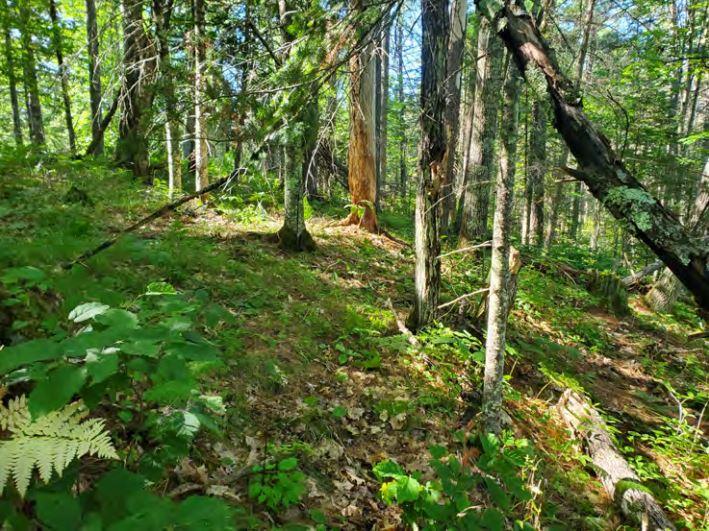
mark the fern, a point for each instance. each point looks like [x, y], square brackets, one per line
[48, 443]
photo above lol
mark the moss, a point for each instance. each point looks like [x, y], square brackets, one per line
[290, 241]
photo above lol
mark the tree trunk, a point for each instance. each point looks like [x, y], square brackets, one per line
[10, 73]
[201, 152]
[537, 171]
[619, 480]
[383, 109]
[476, 194]
[399, 45]
[434, 49]
[362, 170]
[667, 289]
[29, 69]
[138, 67]
[63, 78]
[498, 300]
[94, 76]
[163, 15]
[456, 47]
[298, 150]
[604, 174]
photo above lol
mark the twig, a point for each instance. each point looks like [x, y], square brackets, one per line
[466, 249]
[462, 297]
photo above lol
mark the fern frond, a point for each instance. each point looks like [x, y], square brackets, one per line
[48, 443]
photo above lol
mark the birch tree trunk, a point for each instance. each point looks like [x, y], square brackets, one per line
[29, 69]
[434, 49]
[456, 46]
[498, 300]
[476, 195]
[605, 175]
[201, 152]
[57, 42]
[362, 169]
[94, 77]
[10, 73]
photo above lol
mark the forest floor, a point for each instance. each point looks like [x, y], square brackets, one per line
[314, 365]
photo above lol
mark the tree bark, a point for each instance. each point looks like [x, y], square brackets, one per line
[201, 152]
[434, 49]
[399, 45]
[63, 77]
[383, 109]
[456, 46]
[668, 288]
[362, 170]
[476, 195]
[619, 480]
[604, 174]
[10, 73]
[138, 68]
[94, 76]
[162, 14]
[29, 68]
[498, 299]
[537, 171]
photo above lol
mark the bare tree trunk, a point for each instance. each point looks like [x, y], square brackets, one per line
[537, 171]
[63, 78]
[162, 15]
[399, 45]
[94, 76]
[476, 195]
[138, 68]
[597, 219]
[434, 49]
[362, 170]
[201, 152]
[383, 109]
[10, 73]
[498, 299]
[604, 174]
[29, 68]
[456, 47]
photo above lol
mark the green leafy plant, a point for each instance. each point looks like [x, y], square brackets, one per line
[278, 484]
[447, 501]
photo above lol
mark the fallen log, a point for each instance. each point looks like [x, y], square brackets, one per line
[619, 480]
[633, 279]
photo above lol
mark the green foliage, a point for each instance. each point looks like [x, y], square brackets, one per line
[447, 502]
[278, 484]
[48, 443]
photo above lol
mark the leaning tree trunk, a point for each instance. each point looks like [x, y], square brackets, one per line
[619, 480]
[435, 22]
[10, 73]
[456, 47]
[63, 77]
[139, 62]
[476, 195]
[498, 299]
[201, 152]
[605, 175]
[667, 289]
[29, 69]
[362, 171]
[94, 76]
